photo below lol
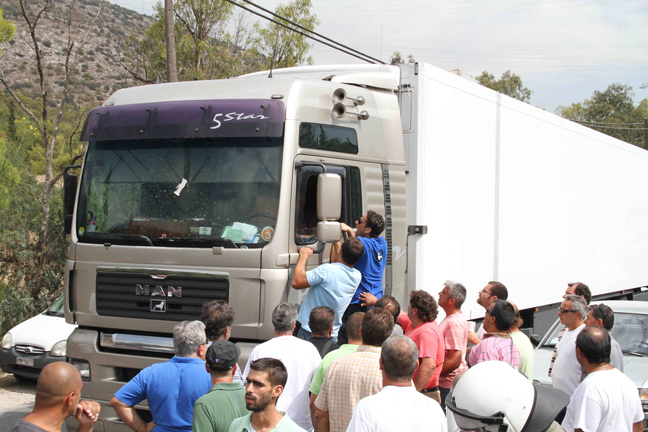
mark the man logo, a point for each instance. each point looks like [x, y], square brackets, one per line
[158, 305]
[379, 255]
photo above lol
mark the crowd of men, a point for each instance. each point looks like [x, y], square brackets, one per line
[350, 359]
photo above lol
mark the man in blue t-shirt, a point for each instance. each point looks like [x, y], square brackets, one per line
[331, 285]
[371, 265]
[171, 388]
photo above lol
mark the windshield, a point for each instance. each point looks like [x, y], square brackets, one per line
[629, 330]
[57, 308]
[178, 192]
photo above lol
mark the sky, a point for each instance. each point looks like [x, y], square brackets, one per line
[563, 50]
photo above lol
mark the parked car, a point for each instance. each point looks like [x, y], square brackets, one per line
[36, 342]
[630, 331]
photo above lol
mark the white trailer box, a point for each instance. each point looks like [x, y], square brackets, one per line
[510, 192]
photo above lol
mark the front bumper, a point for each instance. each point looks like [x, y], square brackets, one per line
[9, 362]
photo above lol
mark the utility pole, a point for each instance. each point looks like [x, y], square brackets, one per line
[646, 134]
[172, 71]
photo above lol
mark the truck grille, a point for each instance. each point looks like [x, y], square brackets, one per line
[147, 294]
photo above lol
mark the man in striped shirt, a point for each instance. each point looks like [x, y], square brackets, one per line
[353, 376]
[497, 343]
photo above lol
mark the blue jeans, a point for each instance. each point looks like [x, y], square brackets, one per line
[444, 393]
[304, 334]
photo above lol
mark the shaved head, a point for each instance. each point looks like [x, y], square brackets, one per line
[55, 384]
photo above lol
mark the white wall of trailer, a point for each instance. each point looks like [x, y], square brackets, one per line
[512, 193]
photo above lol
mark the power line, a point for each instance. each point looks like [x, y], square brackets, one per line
[312, 31]
[362, 56]
[607, 124]
[588, 124]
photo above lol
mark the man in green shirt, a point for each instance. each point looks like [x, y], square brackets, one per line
[215, 411]
[263, 385]
[355, 340]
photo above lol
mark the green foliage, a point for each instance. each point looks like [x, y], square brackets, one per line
[510, 85]
[9, 175]
[7, 30]
[282, 47]
[28, 287]
[615, 112]
[397, 58]
[28, 283]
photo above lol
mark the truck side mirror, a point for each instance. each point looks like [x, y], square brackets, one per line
[70, 183]
[329, 197]
[329, 207]
[328, 232]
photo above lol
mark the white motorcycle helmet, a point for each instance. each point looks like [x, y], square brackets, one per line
[495, 396]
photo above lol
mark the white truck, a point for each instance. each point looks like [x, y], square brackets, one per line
[196, 191]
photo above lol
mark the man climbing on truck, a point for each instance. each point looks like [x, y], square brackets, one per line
[371, 265]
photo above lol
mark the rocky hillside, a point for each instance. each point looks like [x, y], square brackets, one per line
[99, 28]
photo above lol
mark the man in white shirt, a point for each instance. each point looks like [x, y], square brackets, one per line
[300, 357]
[414, 411]
[566, 374]
[606, 400]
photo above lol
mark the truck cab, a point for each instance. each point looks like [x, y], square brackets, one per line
[197, 191]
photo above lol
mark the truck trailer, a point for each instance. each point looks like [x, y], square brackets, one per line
[203, 190]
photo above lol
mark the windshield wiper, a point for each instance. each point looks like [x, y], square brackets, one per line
[56, 314]
[634, 353]
[120, 236]
[222, 241]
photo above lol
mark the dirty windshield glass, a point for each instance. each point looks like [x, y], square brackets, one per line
[199, 192]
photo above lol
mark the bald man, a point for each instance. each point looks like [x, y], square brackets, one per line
[58, 394]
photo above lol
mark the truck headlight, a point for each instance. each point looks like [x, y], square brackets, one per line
[6, 341]
[59, 349]
[83, 367]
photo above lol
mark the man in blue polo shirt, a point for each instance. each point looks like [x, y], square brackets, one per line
[371, 265]
[332, 284]
[171, 388]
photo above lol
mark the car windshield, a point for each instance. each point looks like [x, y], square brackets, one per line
[57, 307]
[630, 331]
[198, 192]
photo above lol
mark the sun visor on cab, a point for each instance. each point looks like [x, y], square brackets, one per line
[186, 119]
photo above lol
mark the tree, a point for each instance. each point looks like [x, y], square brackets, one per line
[34, 261]
[510, 85]
[204, 49]
[397, 58]
[7, 30]
[612, 112]
[281, 46]
[9, 176]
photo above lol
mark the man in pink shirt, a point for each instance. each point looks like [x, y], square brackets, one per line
[497, 343]
[454, 328]
[419, 325]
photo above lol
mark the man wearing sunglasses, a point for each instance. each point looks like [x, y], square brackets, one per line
[573, 288]
[566, 374]
[371, 265]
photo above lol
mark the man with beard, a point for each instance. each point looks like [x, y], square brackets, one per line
[264, 384]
